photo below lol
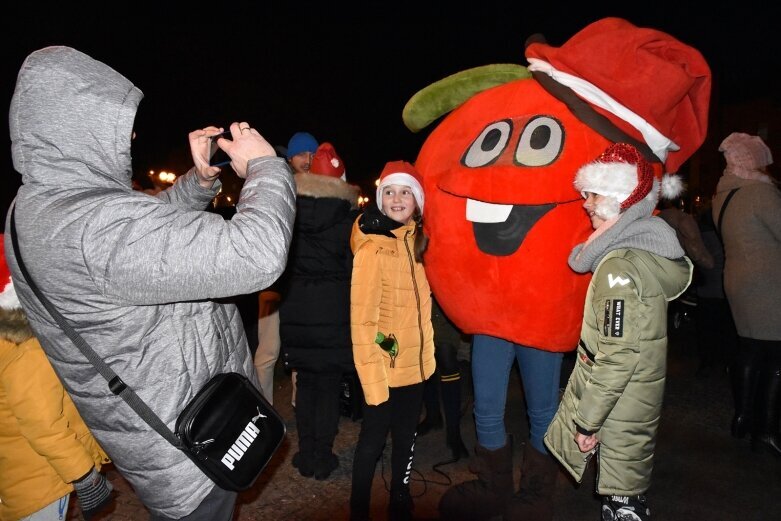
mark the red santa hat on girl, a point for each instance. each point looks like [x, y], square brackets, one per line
[326, 162]
[8, 298]
[404, 174]
[622, 174]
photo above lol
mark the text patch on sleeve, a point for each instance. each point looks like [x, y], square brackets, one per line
[613, 324]
[617, 320]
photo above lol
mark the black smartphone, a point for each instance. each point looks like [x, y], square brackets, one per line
[217, 156]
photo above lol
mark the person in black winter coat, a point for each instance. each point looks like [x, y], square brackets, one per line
[314, 311]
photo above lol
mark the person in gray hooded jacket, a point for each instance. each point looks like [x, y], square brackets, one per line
[138, 276]
[613, 400]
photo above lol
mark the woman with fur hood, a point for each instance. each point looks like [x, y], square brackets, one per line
[314, 311]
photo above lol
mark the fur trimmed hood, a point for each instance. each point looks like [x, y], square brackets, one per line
[14, 326]
[319, 186]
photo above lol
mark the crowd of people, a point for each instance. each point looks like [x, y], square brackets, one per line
[342, 290]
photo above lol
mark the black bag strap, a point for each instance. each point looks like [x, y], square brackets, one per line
[115, 383]
[724, 207]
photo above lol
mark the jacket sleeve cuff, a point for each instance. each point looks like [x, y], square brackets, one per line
[583, 431]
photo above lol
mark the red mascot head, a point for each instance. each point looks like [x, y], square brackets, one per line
[501, 210]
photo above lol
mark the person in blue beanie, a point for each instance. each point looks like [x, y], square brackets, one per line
[300, 150]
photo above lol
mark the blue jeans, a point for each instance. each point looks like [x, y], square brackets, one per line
[492, 359]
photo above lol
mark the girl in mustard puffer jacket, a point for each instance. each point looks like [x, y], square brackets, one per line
[392, 335]
[46, 450]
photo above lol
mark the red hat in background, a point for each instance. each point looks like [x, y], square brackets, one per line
[404, 174]
[647, 83]
[8, 298]
[327, 162]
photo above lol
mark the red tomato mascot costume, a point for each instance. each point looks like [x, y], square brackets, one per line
[504, 215]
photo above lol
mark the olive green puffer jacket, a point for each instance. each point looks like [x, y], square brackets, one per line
[617, 386]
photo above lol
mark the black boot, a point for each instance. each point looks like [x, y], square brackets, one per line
[450, 386]
[304, 459]
[326, 424]
[400, 506]
[486, 496]
[768, 438]
[433, 419]
[744, 376]
[534, 499]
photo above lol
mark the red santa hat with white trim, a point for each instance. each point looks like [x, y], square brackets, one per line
[8, 298]
[648, 84]
[327, 162]
[403, 174]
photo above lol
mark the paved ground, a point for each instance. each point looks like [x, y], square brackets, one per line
[700, 473]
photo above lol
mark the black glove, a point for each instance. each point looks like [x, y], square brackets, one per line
[94, 492]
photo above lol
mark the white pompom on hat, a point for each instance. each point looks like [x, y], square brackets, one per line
[8, 298]
[623, 174]
[327, 162]
[404, 174]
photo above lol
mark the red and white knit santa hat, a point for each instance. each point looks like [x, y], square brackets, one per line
[622, 173]
[8, 298]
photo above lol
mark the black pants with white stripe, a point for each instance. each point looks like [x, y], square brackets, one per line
[399, 415]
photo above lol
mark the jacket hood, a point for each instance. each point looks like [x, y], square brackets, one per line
[320, 186]
[14, 326]
[728, 182]
[323, 202]
[71, 120]
[373, 222]
[674, 275]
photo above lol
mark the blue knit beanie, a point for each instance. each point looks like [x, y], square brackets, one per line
[301, 142]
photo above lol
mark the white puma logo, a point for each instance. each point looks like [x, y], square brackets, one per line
[612, 281]
[259, 416]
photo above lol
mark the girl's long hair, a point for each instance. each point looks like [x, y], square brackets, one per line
[421, 239]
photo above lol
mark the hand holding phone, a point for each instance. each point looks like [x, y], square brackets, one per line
[217, 156]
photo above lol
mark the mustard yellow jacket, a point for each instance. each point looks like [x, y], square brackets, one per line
[389, 294]
[44, 444]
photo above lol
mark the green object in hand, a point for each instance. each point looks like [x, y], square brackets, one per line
[388, 344]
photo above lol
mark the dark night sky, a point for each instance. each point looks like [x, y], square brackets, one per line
[343, 75]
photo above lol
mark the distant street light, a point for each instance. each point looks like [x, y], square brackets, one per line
[166, 177]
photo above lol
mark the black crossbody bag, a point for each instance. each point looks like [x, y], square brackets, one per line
[228, 429]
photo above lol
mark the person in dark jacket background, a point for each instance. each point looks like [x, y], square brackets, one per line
[447, 339]
[314, 311]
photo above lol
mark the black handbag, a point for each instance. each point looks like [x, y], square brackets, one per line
[228, 429]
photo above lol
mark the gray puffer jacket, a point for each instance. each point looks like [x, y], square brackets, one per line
[139, 277]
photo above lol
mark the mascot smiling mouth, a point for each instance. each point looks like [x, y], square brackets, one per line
[501, 228]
